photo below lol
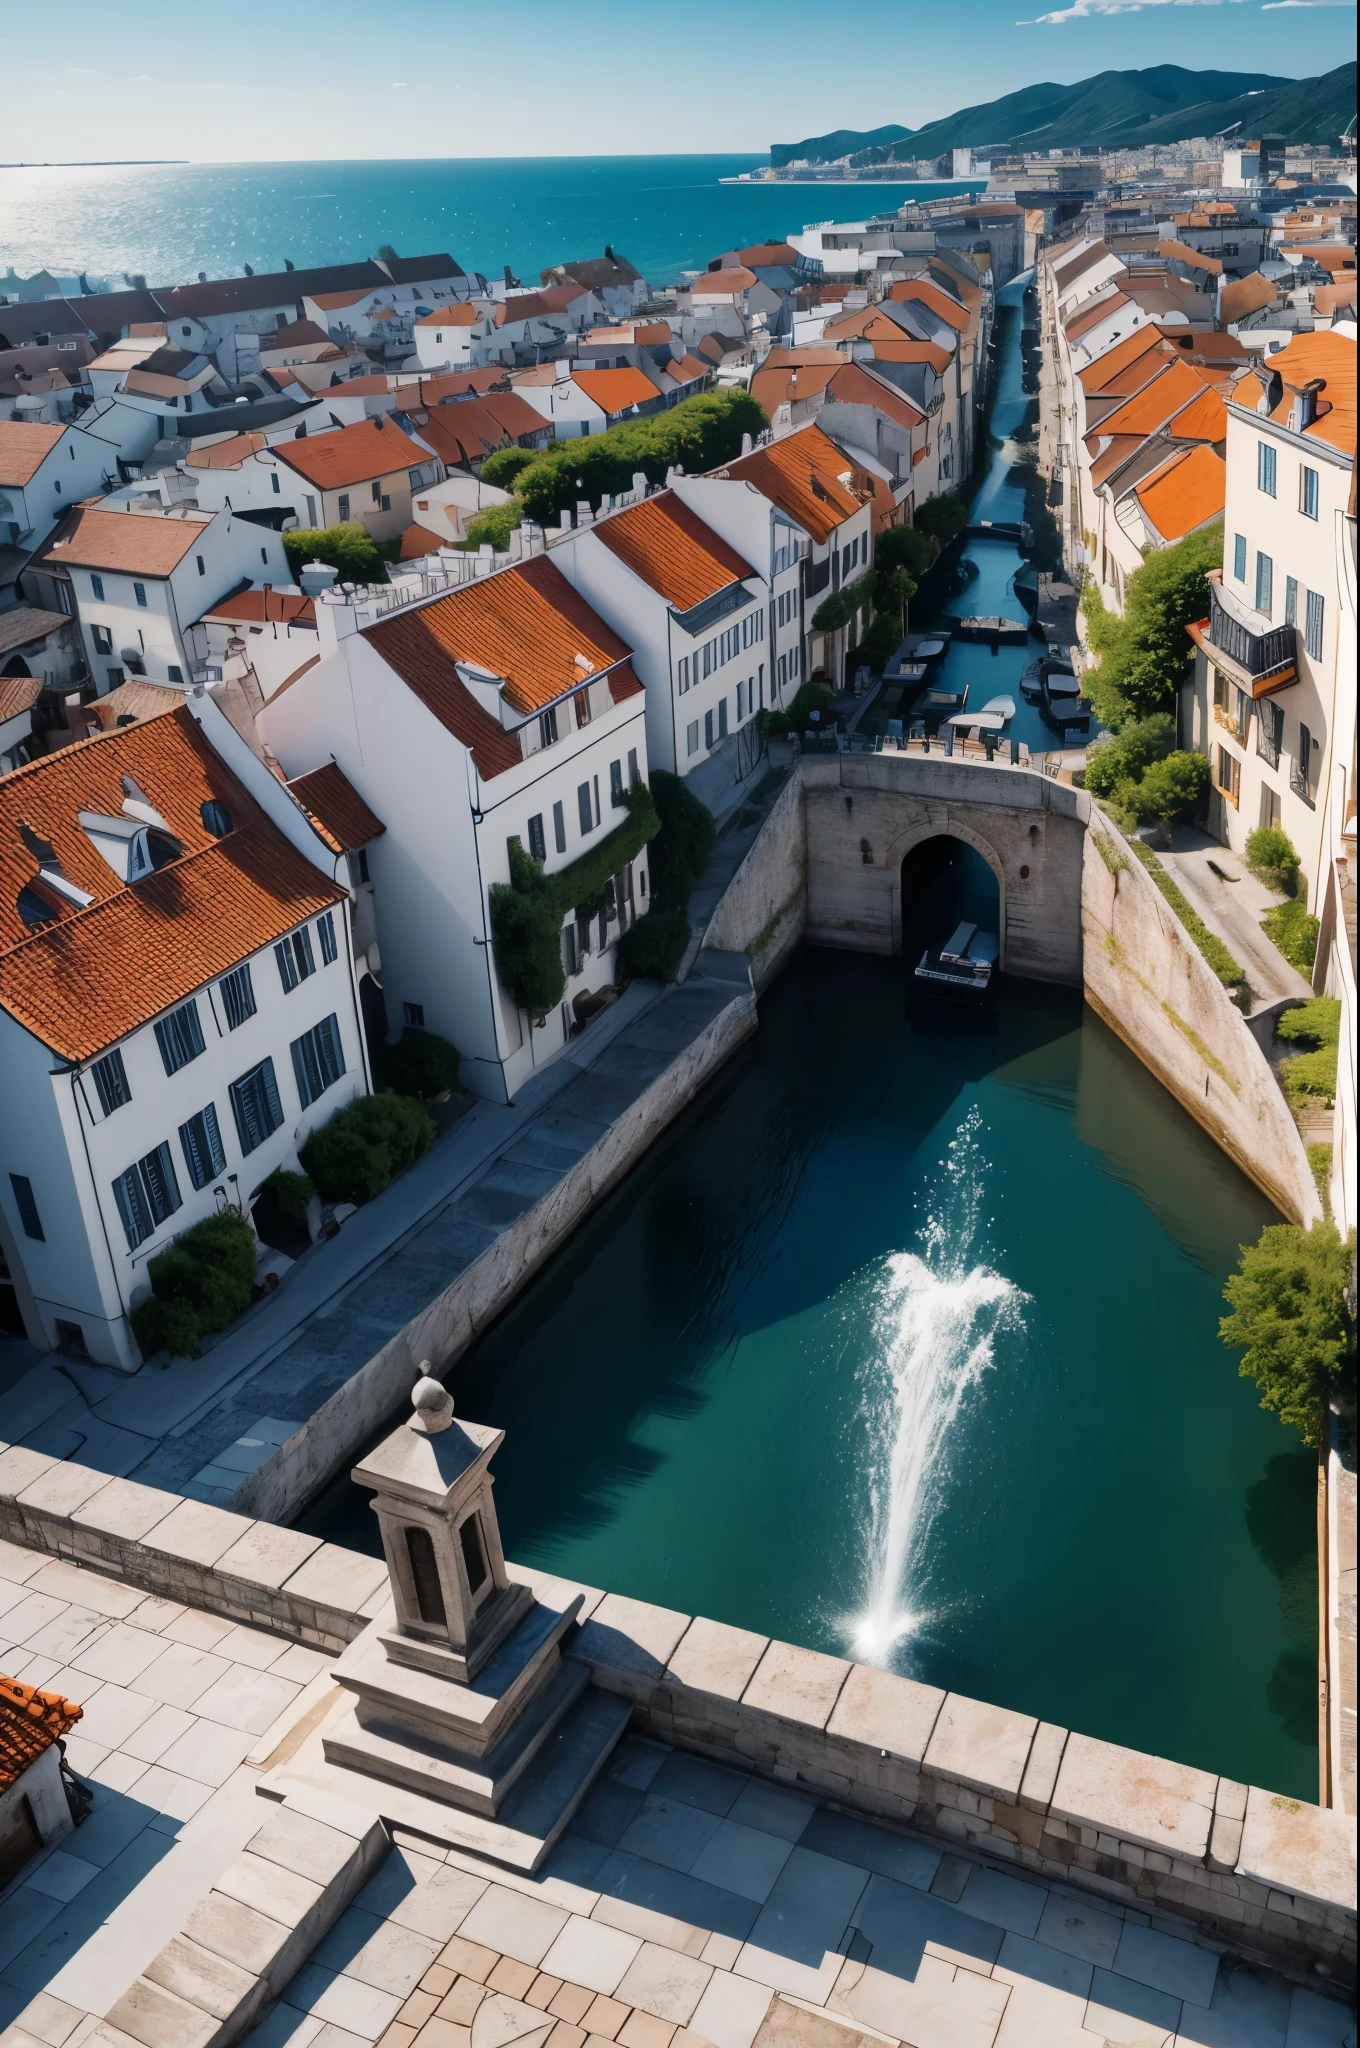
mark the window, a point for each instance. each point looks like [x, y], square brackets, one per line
[216, 817]
[722, 718]
[1301, 779]
[317, 1060]
[1312, 628]
[274, 481]
[1265, 582]
[692, 737]
[358, 867]
[325, 931]
[344, 504]
[632, 768]
[180, 1037]
[295, 960]
[782, 670]
[27, 1207]
[538, 844]
[173, 673]
[147, 1194]
[547, 727]
[1229, 775]
[414, 1015]
[1240, 557]
[559, 828]
[255, 1105]
[682, 678]
[103, 639]
[97, 587]
[581, 701]
[708, 728]
[111, 1082]
[1308, 492]
[584, 814]
[1291, 600]
[386, 504]
[1270, 732]
[1265, 468]
[616, 783]
[238, 996]
[571, 950]
[376, 489]
[139, 592]
[201, 1142]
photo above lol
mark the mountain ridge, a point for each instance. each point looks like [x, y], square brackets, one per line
[1112, 109]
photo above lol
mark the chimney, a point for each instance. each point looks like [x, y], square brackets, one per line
[1304, 410]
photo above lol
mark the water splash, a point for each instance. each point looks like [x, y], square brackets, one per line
[936, 1316]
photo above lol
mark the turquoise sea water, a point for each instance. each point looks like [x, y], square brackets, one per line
[666, 213]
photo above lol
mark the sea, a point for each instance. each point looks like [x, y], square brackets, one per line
[168, 222]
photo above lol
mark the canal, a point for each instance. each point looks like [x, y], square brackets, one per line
[902, 1344]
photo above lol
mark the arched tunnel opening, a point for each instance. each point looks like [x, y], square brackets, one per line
[944, 881]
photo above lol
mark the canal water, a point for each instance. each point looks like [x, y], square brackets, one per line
[903, 1344]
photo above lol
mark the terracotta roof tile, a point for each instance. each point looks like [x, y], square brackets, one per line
[30, 1722]
[336, 808]
[615, 390]
[464, 431]
[137, 543]
[1329, 357]
[24, 447]
[1092, 313]
[1245, 295]
[95, 974]
[262, 607]
[351, 455]
[461, 315]
[526, 625]
[1115, 359]
[229, 454]
[18, 694]
[669, 547]
[933, 295]
[778, 380]
[856, 384]
[1175, 386]
[718, 283]
[1185, 493]
[1113, 456]
[802, 474]
[130, 702]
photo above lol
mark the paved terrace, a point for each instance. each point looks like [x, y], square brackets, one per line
[689, 1904]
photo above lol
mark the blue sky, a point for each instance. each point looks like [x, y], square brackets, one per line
[388, 78]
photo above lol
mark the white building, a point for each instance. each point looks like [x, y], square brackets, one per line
[453, 337]
[1266, 674]
[177, 1010]
[503, 710]
[577, 400]
[269, 632]
[138, 575]
[44, 471]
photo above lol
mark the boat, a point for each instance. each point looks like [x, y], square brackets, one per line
[944, 697]
[993, 627]
[963, 964]
[1034, 672]
[915, 654]
[1063, 707]
[995, 713]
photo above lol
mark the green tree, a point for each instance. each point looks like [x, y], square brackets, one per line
[504, 465]
[1171, 787]
[943, 517]
[494, 526]
[906, 547]
[1145, 654]
[698, 434]
[840, 608]
[386, 253]
[355, 1155]
[349, 548]
[1272, 852]
[894, 591]
[1292, 1311]
[1123, 758]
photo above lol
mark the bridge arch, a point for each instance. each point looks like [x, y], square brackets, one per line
[920, 834]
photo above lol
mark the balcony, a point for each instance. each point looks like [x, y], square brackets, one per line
[1258, 662]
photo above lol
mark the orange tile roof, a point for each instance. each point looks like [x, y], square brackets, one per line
[1181, 252]
[332, 302]
[1204, 419]
[351, 455]
[804, 475]
[688, 368]
[461, 315]
[778, 381]
[24, 447]
[1184, 493]
[717, 283]
[30, 1722]
[767, 255]
[468, 429]
[1245, 295]
[526, 625]
[1159, 400]
[1113, 456]
[1092, 313]
[1331, 256]
[904, 351]
[671, 550]
[85, 981]
[445, 384]
[1325, 355]
[615, 390]
[18, 694]
[926, 293]
[336, 808]
[856, 384]
[264, 607]
[554, 298]
[229, 454]
[1329, 298]
[1115, 359]
[137, 543]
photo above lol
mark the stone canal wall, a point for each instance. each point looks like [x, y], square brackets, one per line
[1267, 1875]
[763, 911]
[1147, 979]
[865, 813]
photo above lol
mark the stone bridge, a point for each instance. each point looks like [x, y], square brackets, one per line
[864, 813]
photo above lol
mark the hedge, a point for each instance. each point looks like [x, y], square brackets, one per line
[527, 912]
[1209, 943]
[840, 608]
[1293, 931]
[201, 1282]
[350, 548]
[698, 434]
[421, 1063]
[654, 946]
[355, 1155]
[1311, 1075]
[683, 844]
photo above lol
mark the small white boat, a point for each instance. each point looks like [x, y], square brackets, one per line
[963, 965]
[995, 713]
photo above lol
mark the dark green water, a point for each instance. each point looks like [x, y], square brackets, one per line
[704, 1391]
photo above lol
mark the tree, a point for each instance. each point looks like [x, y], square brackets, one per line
[1293, 1311]
[348, 548]
[1172, 786]
[495, 525]
[698, 434]
[895, 590]
[355, 1155]
[1146, 653]
[943, 517]
[503, 465]
[913, 548]
[1124, 758]
[386, 253]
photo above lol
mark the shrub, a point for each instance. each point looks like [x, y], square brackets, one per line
[503, 465]
[1124, 757]
[1312, 1024]
[840, 608]
[683, 844]
[421, 1063]
[201, 1282]
[1320, 1166]
[1208, 943]
[654, 946]
[355, 1155]
[878, 646]
[1289, 1301]
[1172, 786]
[1272, 851]
[942, 518]
[1310, 1076]
[349, 548]
[292, 1192]
[913, 548]
[698, 434]
[1145, 653]
[1294, 932]
[494, 526]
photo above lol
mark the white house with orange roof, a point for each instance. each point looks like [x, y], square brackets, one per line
[178, 1010]
[45, 469]
[454, 337]
[579, 401]
[364, 473]
[270, 632]
[137, 574]
[504, 710]
[1269, 656]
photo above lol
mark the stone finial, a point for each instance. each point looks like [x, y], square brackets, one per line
[432, 1402]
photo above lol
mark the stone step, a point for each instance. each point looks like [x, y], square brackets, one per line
[398, 1751]
[531, 1820]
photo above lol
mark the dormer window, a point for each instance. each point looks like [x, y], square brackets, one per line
[216, 818]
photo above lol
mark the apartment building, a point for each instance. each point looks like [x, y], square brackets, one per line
[507, 709]
[177, 1011]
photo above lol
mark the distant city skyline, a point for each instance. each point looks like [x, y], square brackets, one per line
[419, 79]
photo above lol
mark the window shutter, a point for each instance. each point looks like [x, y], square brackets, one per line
[273, 1106]
[288, 973]
[308, 1083]
[127, 1193]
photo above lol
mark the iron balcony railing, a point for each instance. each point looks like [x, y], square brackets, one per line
[1260, 654]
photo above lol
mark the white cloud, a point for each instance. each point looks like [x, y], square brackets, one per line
[1274, 6]
[1083, 10]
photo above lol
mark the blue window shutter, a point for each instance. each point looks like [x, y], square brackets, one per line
[302, 944]
[336, 1063]
[288, 973]
[132, 1207]
[271, 1095]
[217, 1158]
[190, 1138]
[308, 1082]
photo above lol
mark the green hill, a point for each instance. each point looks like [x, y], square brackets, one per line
[1113, 110]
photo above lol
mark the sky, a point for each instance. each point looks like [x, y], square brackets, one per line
[309, 79]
